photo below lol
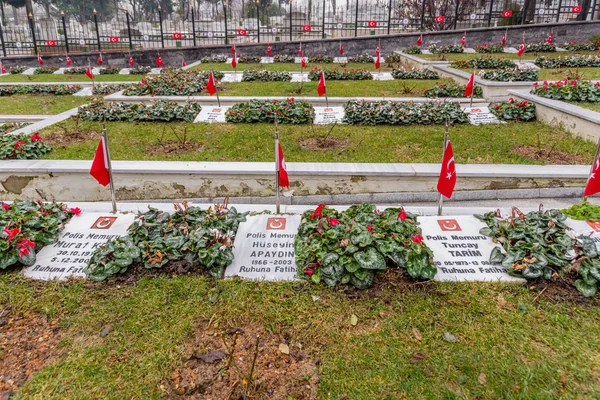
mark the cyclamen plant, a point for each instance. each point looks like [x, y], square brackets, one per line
[58, 90]
[350, 247]
[513, 110]
[140, 70]
[18, 69]
[22, 147]
[214, 59]
[28, 226]
[489, 48]
[361, 59]
[484, 63]
[390, 113]
[341, 75]
[570, 62]
[412, 50]
[435, 49]
[540, 47]
[249, 59]
[286, 112]
[569, 90]
[284, 58]
[510, 75]
[172, 83]
[46, 69]
[166, 111]
[414, 74]
[320, 58]
[587, 46]
[451, 91]
[266, 76]
[110, 70]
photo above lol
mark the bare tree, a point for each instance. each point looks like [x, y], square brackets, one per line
[434, 8]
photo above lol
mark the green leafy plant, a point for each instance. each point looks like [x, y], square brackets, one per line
[484, 63]
[510, 75]
[140, 70]
[538, 245]
[340, 75]
[451, 49]
[393, 58]
[513, 110]
[56, 90]
[412, 50]
[166, 111]
[570, 61]
[172, 83]
[350, 247]
[8, 127]
[22, 147]
[390, 113]
[214, 59]
[361, 59]
[414, 74]
[110, 70]
[574, 90]
[248, 59]
[45, 69]
[202, 237]
[75, 70]
[489, 48]
[266, 76]
[540, 47]
[18, 69]
[28, 226]
[284, 58]
[286, 112]
[583, 211]
[451, 91]
[587, 46]
[320, 59]
[102, 90]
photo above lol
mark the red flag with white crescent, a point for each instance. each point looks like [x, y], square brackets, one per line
[503, 41]
[470, 86]
[68, 61]
[99, 168]
[593, 183]
[447, 179]
[341, 49]
[521, 48]
[233, 48]
[300, 53]
[420, 40]
[322, 87]
[464, 39]
[183, 63]
[211, 88]
[281, 167]
[378, 61]
[89, 73]
[130, 60]
[3, 69]
[40, 61]
[550, 39]
[378, 50]
[159, 61]
[100, 59]
[268, 49]
[234, 61]
[303, 61]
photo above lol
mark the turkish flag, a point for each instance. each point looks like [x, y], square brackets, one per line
[550, 39]
[420, 40]
[322, 88]
[234, 61]
[470, 85]
[503, 41]
[159, 61]
[40, 61]
[341, 49]
[378, 61]
[303, 61]
[233, 48]
[211, 88]
[3, 69]
[464, 39]
[521, 48]
[593, 183]
[99, 168]
[378, 50]
[268, 49]
[447, 179]
[68, 61]
[89, 73]
[130, 60]
[281, 167]
[300, 53]
[183, 63]
[100, 59]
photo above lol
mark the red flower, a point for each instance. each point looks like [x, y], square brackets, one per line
[5, 206]
[309, 272]
[402, 215]
[333, 221]
[370, 229]
[76, 210]
[535, 84]
[11, 233]
[23, 251]
[26, 243]
[17, 144]
[36, 137]
[417, 238]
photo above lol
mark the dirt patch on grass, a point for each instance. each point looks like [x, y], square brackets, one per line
[560, 290]
[244, 363]
[323, 143]
[552, 156]
[173, 268]
[168, 148]
[27, 343]
[67, 138]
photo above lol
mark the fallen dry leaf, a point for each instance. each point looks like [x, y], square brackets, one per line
[418, 334]
[284, 348]
[482, 379]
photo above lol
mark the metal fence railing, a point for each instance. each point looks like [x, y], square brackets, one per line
[251, 21]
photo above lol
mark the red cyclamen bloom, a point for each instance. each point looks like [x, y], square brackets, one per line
[36, 137]
[5, 206]
[11, 232]
[333, 221]
[76, 210]
[370, 229]
[309, 272]
[417, 238]
[402, 215]
[18, 144]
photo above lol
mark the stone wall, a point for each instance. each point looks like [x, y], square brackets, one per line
[579, 31]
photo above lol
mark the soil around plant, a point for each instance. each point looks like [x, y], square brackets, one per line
[28, 342]
[551, 155]
[70, 137]
[323, 143]
[173, 147]
[219, 365]
[560, 290]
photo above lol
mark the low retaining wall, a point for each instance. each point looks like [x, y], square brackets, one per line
[69, 180]
[577, 120]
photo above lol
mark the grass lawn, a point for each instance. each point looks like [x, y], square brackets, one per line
[380, 144]
[511, 343]
[30, 104]
[69, 78]
[395, 88]
[547, 74]
[512, 56]
[289, 67]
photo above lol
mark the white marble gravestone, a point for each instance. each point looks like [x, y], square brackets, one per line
[328, 115]
[212, 114]
[481, 115]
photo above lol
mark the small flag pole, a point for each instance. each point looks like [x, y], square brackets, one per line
[472, 91]
[446, 135]
[595, 160]
[216, 88]
[277, 201]
[379, 56]
[326, 98]
[108, 162]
